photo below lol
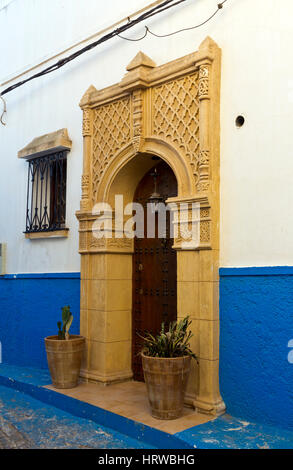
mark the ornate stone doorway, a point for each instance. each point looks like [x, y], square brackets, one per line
[154, 291]
[171, 111]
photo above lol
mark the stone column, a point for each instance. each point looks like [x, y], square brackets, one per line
[106, 302]
[87, 128]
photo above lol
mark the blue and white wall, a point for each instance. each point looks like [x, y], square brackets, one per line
[256, 228]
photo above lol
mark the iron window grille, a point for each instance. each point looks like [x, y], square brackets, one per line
[46, 193]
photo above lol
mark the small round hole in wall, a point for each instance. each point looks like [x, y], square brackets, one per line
[239, 121]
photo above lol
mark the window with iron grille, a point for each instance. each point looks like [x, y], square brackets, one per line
[46, 193]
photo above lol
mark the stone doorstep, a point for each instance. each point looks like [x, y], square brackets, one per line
[129, 400]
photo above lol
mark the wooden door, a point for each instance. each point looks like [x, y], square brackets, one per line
[154, 269]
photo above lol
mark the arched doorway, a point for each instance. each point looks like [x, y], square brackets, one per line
[154, 267]
[171, 111]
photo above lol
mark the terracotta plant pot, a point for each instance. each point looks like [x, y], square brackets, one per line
[166, 381]
[64, 359]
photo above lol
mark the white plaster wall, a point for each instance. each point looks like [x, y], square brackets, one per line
[257, 81]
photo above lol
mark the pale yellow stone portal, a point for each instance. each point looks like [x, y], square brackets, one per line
[171, 111]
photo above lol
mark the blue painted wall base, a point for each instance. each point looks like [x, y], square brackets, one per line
[30, 306]
[256, 324]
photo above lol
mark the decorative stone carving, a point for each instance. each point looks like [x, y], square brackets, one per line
[137, 113]
[102, 244]
[203, 169]
[204, 157]
[203, 86]
[204, 213]
[97, 242]
[85, 186]
[203, 72]
[83, 224]
[192, 224]
[176, 116]
[184, 236]
[86, 122]
[120, 242]
[169, 102]
[82, 241]
[111, 131]
[205, 231]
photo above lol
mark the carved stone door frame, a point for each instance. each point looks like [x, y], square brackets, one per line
[171, 111]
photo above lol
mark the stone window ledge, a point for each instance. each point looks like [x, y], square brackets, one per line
[54, 234]
[46, 144]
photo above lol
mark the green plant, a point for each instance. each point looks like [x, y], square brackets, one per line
[171, 343]
[67, 317]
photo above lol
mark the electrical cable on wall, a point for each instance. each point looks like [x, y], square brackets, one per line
[116, 32]
[154, 11]
[147, 29]
[3, 112]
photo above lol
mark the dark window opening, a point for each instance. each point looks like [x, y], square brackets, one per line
[46, 193]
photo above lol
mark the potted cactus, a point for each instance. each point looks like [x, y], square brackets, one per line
[64, 353]
[166, 362]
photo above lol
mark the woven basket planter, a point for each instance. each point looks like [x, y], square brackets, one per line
[64, 359]
[166, 381]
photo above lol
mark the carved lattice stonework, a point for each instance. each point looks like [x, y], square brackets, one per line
[176, 116]
[169, 111]
[204, 213]
[205, 231]
[111, 130]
